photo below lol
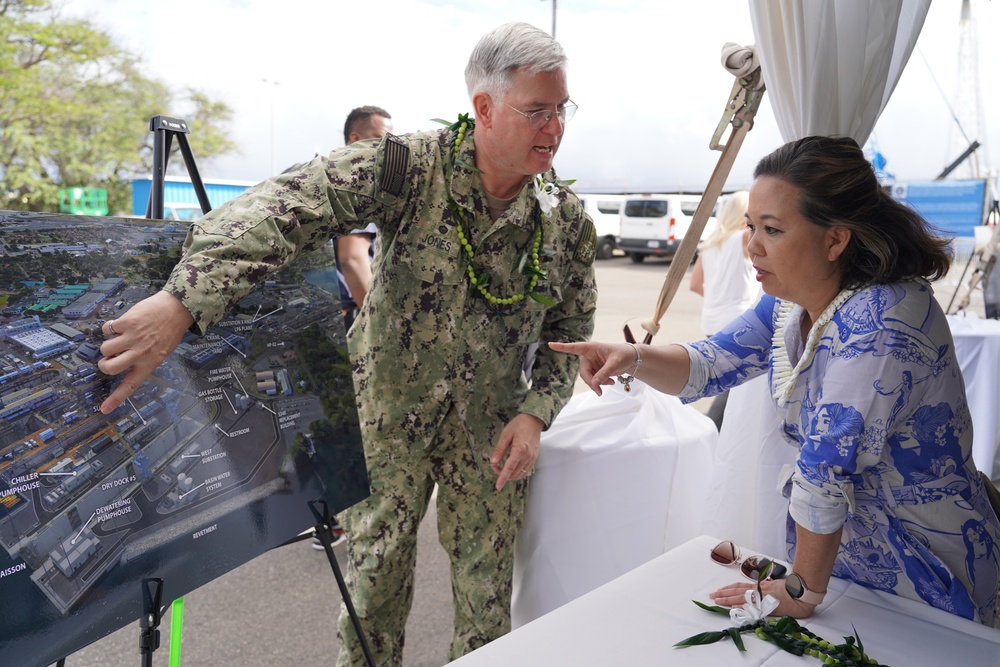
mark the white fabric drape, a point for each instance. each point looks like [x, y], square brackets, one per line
[745, 505]
[621, 479]
[829, 67]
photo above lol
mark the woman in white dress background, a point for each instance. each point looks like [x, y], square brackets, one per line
[724, 275]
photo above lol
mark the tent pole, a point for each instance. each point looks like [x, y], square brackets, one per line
[740, 110]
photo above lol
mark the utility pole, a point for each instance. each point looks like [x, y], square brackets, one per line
[553, 18]
[274, 131]
[968, 108]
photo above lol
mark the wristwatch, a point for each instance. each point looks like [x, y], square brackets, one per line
[796, 587]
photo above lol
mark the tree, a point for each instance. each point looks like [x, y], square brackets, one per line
[75, 110]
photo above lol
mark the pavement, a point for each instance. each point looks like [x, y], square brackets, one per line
[280, 609]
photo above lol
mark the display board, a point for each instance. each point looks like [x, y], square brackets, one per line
[212, 461]
[954, 207]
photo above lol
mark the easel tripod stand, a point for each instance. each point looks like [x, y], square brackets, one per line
[164, 128]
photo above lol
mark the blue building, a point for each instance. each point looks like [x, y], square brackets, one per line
[179, 190]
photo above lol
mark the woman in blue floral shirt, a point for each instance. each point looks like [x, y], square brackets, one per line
[862, 369]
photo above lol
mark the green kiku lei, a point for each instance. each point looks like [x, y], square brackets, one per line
[479, 282]
[787, 634]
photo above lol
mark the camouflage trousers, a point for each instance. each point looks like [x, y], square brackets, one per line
[476, 526]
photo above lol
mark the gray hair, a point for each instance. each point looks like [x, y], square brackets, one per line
[510, 47]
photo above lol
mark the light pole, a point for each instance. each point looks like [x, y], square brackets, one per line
[274, 131]
[553, 18]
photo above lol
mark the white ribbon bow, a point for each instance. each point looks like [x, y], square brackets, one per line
[754, 610]
[546, 194]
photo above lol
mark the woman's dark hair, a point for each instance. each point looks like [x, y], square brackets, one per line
[890, 242]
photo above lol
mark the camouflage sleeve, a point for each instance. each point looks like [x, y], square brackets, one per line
[235, 246]
[571, 320]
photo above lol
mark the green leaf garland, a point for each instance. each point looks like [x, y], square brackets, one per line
[528, 263]
[787, 634]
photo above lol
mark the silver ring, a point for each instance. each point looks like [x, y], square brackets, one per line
[111, 328]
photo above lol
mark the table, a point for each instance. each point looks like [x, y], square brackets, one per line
[977, 346]
[636, 619]
[620, 479]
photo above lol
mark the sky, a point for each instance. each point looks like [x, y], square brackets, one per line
[646, 76]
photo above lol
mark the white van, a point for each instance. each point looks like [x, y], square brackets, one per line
[182, 211]
[656, 224]
[605, 210]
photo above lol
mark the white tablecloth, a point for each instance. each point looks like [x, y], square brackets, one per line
[620, 479]
[977, 346]
[636, 619]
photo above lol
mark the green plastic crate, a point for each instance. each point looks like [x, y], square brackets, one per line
[83, 201]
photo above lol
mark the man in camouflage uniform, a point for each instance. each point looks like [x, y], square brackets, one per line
[437, 354]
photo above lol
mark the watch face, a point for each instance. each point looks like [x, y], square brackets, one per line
[794, 586]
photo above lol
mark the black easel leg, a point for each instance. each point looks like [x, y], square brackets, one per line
[149, 634]
[323, 534]
[163, 129]
[196, 182]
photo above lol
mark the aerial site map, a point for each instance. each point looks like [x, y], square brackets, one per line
[214, 460]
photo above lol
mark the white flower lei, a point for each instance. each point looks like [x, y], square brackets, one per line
[784, 376]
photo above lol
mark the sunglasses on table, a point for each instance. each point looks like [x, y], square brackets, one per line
[727, 553]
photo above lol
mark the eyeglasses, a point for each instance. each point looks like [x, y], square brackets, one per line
[727, 553]
[540, 119]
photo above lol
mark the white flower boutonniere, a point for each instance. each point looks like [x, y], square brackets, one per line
[754, 610]
[547, 194]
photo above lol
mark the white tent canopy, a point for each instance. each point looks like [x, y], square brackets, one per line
[831, 65]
